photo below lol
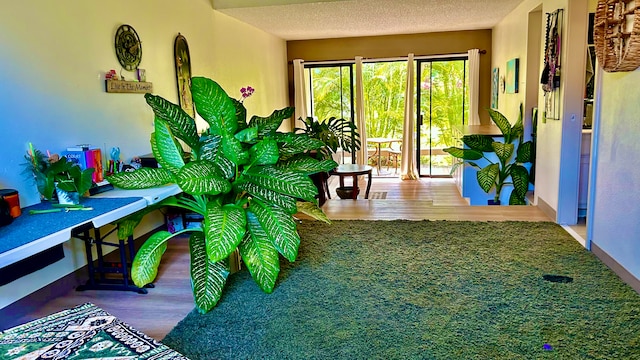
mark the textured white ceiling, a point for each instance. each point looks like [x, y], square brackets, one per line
[309, 19]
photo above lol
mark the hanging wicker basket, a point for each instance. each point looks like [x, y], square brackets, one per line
[616, 35]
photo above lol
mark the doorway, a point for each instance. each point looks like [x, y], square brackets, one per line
[442, 106]
[330, 95]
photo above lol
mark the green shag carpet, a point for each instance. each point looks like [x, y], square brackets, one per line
[424, 290]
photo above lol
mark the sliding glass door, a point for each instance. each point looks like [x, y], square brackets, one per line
[330, 94]
[442, 102]
[442, 105]
[331, 91]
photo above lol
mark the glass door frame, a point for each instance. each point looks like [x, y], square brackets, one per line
[351, 85]
[420, 116]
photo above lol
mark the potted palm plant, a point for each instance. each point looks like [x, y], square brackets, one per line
[334, 133]
[511, 154]
[246, 179]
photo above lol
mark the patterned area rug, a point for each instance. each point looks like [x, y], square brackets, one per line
[84, 332]
[378, 195]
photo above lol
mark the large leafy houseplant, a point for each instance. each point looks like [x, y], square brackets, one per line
[334, 133]
[245, 178]
[511, 156]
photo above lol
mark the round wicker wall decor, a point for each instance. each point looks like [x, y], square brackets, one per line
[616, 35]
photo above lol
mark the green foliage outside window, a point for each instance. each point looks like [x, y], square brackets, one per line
[445, 97]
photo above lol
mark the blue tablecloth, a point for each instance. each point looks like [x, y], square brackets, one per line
[27, 228]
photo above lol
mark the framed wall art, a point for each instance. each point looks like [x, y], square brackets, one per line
[183, 74]
[511, 79]
[495, 87]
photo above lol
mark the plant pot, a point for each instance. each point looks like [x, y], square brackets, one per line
[493, 202]
[346, 192]
[67, 198]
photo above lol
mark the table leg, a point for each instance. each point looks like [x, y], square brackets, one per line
[101, 282]
[355, 187]
[379, 156]
[366, 194]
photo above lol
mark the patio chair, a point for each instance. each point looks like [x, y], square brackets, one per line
[393, 152]
[372, 154]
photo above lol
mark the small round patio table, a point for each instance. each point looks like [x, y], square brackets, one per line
[353, 170]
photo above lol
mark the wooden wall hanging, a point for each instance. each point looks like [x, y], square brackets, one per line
[128, 87]
[183, 74]
[616, 35]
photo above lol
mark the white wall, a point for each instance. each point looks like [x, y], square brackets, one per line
[615, 212]
[510, 41]
[615, 226]
[54, 56]
[572, 93]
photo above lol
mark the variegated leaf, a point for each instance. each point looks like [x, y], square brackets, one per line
[168, 155]
[503, 151]
[297, 144]
[464, 154]
[517, 131]
[311, 209]
[265, 152]
[232, 150]
[127, 225]
[144, 268]
[455, 167]
[524, 154]
[209, 146]
[259, 254]
[214, 105]
[294, 184]
[307, 165]
[241, 114]
[141, 179]
[247, 135]
[480, 143]
[515, 199]
[271, 123]
[181, 124]
[287, 203]
[487, 177]
[224, 227]
[211, 150]
[201, 177]
[207, 277]
[520, 179]
[280, 228]
[502, 123]
[225, 167]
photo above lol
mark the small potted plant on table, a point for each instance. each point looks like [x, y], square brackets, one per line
[58, 176]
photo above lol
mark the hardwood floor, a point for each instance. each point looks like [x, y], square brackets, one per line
[157, 312]
[432, 199]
